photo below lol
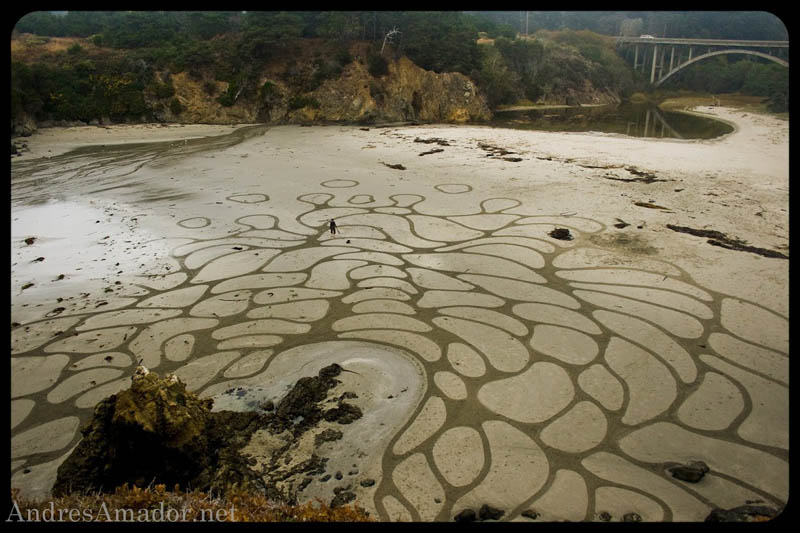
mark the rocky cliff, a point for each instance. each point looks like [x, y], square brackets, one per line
[302, 82]
[406, 93]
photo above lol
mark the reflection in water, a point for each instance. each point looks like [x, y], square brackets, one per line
[624, 119]
[93, 169]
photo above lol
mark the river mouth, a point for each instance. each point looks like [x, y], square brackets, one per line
[632, 120]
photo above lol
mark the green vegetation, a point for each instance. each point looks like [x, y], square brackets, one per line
[756, 25]
[552, 63]
[328, 66]
[298, 102]
[176, 107]
[734, 74]
[79, 89]
[228, 98]
[83, 82]
[377, 65]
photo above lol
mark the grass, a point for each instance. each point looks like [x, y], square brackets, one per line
[30, 48]
[157, 504]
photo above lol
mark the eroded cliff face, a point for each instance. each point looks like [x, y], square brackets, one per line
[406, 93]
[306, 81]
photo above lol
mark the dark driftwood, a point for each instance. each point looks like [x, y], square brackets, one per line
[717, 238]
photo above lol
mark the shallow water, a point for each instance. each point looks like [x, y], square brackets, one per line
[623, 119]
[97, 168]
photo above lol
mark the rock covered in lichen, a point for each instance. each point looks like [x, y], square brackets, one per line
[163, 408]
[157, 431]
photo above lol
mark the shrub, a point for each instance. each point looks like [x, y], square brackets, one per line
[210, 87]
[376, 92]
[268, 91]
[163, 90]
[377, 65]
[228, 98]
[324, 70]
[298, 102]
[343, 57]
[176, 107]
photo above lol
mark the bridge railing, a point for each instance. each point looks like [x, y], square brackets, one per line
[654, 52]
[702, 42]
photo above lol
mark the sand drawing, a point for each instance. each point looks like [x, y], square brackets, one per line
[501, 365]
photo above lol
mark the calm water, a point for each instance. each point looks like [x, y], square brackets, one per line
[623, 119]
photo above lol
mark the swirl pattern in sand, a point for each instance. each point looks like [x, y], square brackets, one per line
[530, 372]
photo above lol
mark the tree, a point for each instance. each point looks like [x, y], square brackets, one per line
[500, 84]
[204, 25]
[389, 37]
[135, 29]
[524, 56]
[340, 25]
[274, 26]
[40, 23]
[440, 41]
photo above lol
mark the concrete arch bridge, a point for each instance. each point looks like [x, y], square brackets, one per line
[665, 56]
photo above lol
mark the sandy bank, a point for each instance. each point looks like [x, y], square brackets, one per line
[50, 142]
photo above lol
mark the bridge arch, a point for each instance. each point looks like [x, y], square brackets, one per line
[717, 53]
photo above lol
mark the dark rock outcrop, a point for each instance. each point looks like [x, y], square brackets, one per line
[301, 409]
[562, 234]
[342, 497]
[691, 473]
[487, 512]
[158, 432]
[743, 513]
[467, 515]
[23, 125]
[530, 513]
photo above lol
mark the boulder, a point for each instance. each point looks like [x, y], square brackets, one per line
[743, 513]
[158, 431]
[562, 234]
[23, 125]
[487, 512]
[691, 473]
[467, 515]
[342, 498]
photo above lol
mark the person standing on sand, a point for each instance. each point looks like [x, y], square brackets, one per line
[333, 227]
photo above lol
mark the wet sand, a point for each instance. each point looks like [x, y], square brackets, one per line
[50, 142]
[211, 258]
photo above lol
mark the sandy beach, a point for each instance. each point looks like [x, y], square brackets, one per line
[498, 363]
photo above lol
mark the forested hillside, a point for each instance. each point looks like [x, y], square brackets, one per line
[311, 66]
[746, 25]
